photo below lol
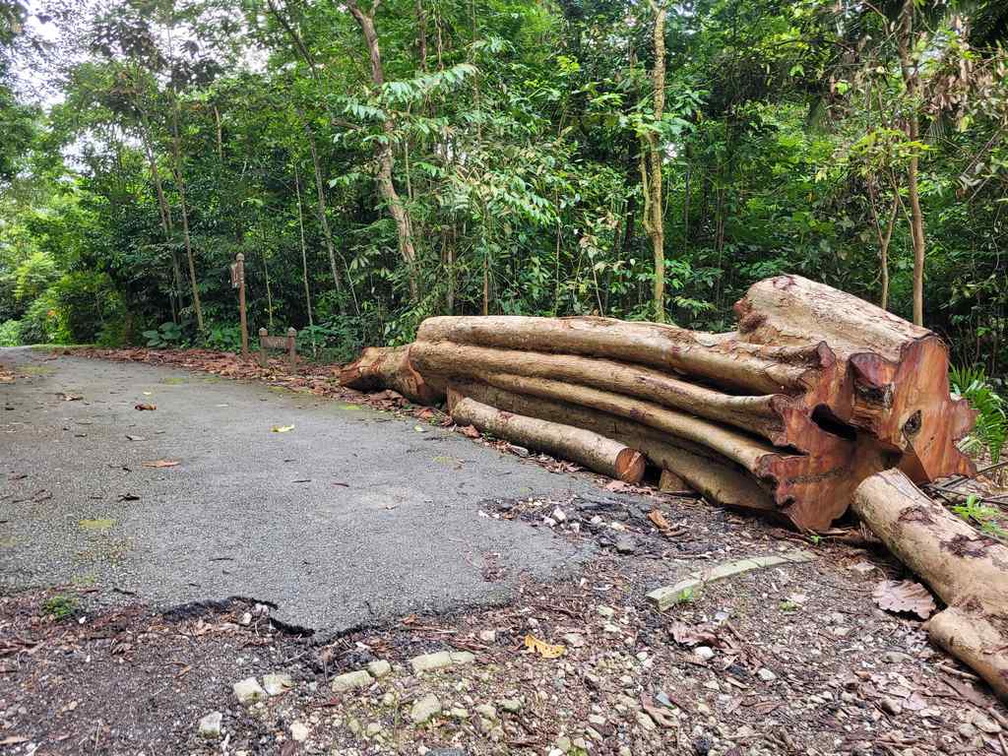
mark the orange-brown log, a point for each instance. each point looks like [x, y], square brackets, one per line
[388, 368]
[720, 359]
[811, 490]
[966, 569]
[586, 448]
[716, 479]
[781, 420]
[895, 384]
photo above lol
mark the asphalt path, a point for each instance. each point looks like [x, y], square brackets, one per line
[350, 518]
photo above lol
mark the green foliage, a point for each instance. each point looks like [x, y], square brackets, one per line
[973, 510]
[61, 607]
[10, 333]
[219, 336]
[44, 323]
[168, 335]
[91, 308]
[991, 429]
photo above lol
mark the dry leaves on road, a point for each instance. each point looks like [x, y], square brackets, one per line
[162, 463]
[142, 406]
[904, 596]
[282, 428]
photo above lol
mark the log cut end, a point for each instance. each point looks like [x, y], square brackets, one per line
[389, 368]
[630, 465]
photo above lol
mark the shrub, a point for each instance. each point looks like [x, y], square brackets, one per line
[991, 430]
[10, 333]
[92, 308]
[43, 323]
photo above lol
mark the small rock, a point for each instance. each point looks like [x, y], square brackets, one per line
[210, 725]
[276, 683]
[457, 712]
[609, 627]
[373, 729]
[440, 660]
[379, 668]
[248, 691]
[549, 522]
[512, 705]
[703, 653]
[626, 545]
[488, 636]
[606, 611]
[765, 674]
[425, 708]
[487, 712]
[985, 724]
[246, 619]
[895, 657]
[596, 720]
[351, 681]
[563, 744]
[574, 640]
[645, 721]
[891, 705]
[559, 515]
[299, 731]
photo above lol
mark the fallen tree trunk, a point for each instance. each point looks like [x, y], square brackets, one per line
[775, 417]
[811, 490]
[966, 569]
[585, 447]
[720, 359]
[895, 374]
[715, 479]
[389, 368]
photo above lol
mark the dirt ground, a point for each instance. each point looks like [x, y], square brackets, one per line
[790, 659]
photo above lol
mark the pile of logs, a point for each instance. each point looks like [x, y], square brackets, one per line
[815, 391]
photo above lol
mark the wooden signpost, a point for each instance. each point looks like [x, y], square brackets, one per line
[288, 343]
[238, 282]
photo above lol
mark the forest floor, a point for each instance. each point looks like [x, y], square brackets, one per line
[569, 657]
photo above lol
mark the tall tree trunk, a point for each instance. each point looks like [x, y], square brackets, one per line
[398, 211]
[304, 253]
[911, 81]
[421, 34]
[651, 169]
[324, 221]
[884, 238]
[177, 145]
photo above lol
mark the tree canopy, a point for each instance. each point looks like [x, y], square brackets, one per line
[378, 162]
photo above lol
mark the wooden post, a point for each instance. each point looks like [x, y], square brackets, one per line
[240, 263]
[263, 333]
[291, 346]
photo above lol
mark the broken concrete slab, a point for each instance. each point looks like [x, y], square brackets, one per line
[669, 595]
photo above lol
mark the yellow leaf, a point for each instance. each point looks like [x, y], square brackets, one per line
[282, 428]
[544, 649]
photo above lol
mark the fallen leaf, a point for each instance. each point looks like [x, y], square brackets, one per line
[282, 428]
[662, 717]
[13, 740]
[469, 431]
[162, 463]
[904, 596]
[142, 406]
[691, 635]
[544, 649]
[659, 521]
[135, 438]
[70, 397]
[863, 567]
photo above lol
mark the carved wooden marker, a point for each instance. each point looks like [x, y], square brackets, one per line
[238, 282]
[288, 343]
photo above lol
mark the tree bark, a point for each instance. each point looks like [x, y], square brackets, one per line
[718, 481]
[584, 447]
[911, 80]
[388, 367]
[762, 415]
[386, 186]
[890, 379]
[183, 211]
[966, 569]
[651, 168]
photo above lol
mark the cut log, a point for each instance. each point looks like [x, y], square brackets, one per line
[720, 359]
[966, 569]
[389, 368]
[979, 642]
[671, 482]
[810, 490]
[716, 480]
[585, 447]
[777, 418]
[895, 384]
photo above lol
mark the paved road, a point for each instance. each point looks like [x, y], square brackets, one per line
[352, 517]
